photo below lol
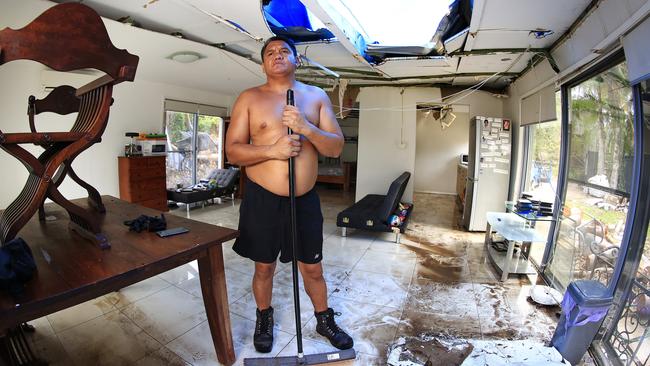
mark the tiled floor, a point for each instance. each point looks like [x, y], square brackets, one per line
[437, 280]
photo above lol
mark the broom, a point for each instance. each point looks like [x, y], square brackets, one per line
[300, 359]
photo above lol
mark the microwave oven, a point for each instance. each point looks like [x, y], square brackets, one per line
[153, 147]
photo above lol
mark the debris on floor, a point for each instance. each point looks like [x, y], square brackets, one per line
[428, 350]
[522, 352]
[438, 350]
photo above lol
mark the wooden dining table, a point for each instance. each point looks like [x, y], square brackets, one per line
[72, 270]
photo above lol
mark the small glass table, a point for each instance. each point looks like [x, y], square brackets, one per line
[513, 228]
[530, 216]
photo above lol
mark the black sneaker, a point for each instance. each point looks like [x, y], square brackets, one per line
[326, 326]
[263, 336]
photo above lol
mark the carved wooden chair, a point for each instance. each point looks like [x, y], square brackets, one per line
[66, 37]
[61, 100]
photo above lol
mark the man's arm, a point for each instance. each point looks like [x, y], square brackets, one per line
[238, 147]
[327, 138]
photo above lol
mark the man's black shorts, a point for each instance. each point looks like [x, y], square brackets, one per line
[265, 230]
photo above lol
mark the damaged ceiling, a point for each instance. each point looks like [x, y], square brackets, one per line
[502, 40]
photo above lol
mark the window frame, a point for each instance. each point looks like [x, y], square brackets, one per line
[608, 62]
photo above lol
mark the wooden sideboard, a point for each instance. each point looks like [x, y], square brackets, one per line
[142, 181]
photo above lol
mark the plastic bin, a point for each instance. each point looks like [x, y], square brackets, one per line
[584, 307]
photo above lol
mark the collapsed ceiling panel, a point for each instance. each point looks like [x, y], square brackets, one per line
[331, 54]
[516, 19]
[414, 66]
[456, 42]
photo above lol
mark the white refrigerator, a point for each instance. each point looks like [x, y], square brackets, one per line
[488, 174]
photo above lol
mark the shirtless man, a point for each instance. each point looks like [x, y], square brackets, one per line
[257, 139]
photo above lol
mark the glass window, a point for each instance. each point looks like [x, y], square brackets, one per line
[631, 337]
[208, 145]
[194, 142]
[600, 156]
[542, 165]
[179, 128]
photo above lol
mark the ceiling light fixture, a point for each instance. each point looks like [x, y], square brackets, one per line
[185, 57]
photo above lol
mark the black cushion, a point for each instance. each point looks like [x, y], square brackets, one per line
[226, 184]
[393, 196]
[362, 214]
[224, 177]
[373, 211]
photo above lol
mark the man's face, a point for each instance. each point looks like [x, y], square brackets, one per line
[278, 58]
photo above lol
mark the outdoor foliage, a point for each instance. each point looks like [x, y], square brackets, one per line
[601, 128]
[180, 129]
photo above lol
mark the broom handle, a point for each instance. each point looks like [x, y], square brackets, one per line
[294, 239]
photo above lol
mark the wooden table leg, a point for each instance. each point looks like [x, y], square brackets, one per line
[215, 298]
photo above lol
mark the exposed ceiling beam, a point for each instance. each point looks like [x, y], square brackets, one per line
[430, 85]
[426, 77]
[344, 70]
[492, 51]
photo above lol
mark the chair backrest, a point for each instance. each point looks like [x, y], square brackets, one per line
[225, 177]
[93, 112]
[393, 196]
[68, 37]
[62, 100]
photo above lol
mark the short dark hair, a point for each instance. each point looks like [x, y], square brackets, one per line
[280, 38]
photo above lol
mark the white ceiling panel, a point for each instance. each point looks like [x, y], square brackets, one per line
[493, 63]
[330, 54]
[419, 67]
[188, 17]
[516, 18]
[218, 71]
[494, 39]
[456, 42]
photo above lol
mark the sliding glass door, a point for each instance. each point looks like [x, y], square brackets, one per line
[194, 142]
[628, 334]
[594, 209]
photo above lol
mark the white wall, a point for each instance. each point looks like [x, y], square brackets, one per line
[381, 159]
[480, 103]
[138, 107]
[350, 128]
[437, 152]
[386, 144]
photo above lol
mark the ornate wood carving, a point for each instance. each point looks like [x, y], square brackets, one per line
[66, 37]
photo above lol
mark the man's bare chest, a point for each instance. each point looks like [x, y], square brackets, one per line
[266, 117]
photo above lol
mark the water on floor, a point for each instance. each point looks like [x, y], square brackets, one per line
[437, 281]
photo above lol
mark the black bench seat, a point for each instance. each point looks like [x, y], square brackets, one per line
[373, 211]
[226, 186]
